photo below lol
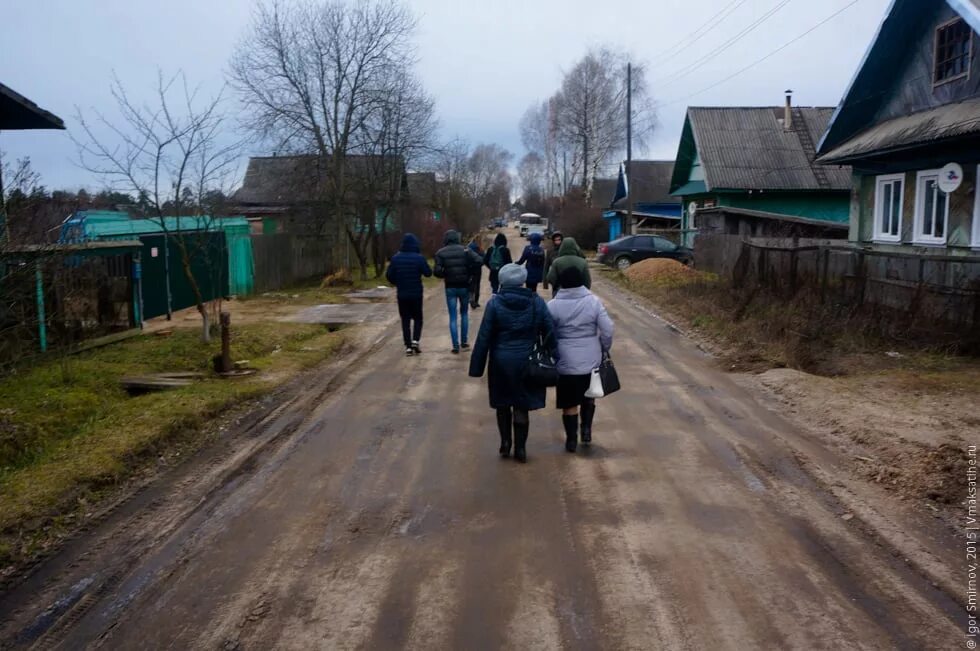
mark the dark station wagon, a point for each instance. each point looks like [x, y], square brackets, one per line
[625, 251]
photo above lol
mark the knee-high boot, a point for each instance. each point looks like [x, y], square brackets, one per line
[504, 424]
[571, 431]
[588, 413]
[522, 424]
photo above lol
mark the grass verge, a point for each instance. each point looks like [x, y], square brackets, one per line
[69, 433]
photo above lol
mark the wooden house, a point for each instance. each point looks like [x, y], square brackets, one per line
[654, 209]
[909, 125]
[760, 160]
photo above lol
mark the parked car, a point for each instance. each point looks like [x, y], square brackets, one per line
[625, 251]
[499, 222]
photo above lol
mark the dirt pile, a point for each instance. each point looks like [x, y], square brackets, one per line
[661, 272]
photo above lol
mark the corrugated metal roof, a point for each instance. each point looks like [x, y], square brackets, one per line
[278, 180]
[649, 183]
[748, 149]
[920, 128]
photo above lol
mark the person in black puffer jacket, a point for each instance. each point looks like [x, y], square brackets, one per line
[457, 265]
[405, 272]
[514, 320]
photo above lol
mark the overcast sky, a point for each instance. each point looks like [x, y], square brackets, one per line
[485, 62]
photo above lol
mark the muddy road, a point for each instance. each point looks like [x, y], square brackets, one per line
[382, 518]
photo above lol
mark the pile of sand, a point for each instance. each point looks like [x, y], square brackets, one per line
[661, 272]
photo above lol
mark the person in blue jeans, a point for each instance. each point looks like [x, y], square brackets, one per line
[456, 265]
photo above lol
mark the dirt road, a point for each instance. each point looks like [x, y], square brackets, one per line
[385, 520]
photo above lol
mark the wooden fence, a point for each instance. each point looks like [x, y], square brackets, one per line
[940, 286]
[284, 259]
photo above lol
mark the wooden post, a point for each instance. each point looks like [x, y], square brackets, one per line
[793, 268]
[863, 275]
[226, 364]
[825, 273]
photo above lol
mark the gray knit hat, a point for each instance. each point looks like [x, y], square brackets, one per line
[512, 275]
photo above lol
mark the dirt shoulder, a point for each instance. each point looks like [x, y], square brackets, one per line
[898, 420]
[74, 444]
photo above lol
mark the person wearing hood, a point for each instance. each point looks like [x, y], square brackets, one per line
[534, 257]
[585, 333]
[405, 272]
[457, 265]
[496, 257]
[478, 276]
[569, 255]
[551, 253]
[515, 319]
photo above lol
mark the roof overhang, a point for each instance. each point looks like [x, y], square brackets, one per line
[107, 247]
[968, 9]
[920, 129]
[773, 216]
[18, 113]
[693, 187]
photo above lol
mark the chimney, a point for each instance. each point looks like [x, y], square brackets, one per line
[788, 116]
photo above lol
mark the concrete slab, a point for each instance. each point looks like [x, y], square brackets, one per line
[352, 313]
[374, 293]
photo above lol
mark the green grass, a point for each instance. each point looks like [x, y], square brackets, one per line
[68, 430]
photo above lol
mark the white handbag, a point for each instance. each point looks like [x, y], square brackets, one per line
[595, 386]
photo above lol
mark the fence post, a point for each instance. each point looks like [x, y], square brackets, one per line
[793, 267]
[863, 275]
[741, 268]
[825, 273]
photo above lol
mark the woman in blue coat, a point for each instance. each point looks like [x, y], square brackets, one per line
[534, 256]
[514, 319]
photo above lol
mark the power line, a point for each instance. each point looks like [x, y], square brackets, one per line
[766, 57]
[724, 46]
[675, 49]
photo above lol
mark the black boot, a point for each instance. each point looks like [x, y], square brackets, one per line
[571, 432]
[504, 420]
[588, 413]
[521, 426]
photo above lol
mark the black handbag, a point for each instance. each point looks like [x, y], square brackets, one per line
[608, 375]
[541, 369]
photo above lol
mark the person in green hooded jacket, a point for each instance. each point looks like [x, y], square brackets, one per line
[569, 255]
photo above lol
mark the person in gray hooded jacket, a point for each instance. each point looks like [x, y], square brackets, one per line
[584, 332]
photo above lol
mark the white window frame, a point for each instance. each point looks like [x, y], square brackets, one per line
[975, 240]
[879, 235]
[917, 236]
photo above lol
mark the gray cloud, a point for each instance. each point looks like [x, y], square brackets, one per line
[484, 62]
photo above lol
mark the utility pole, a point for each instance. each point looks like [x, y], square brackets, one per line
[629, 146]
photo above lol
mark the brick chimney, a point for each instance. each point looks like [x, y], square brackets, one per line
[788, 115]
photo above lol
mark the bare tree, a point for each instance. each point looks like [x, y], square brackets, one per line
[169, 154]
[489, 179]
[320, 77]
[582, 128]
[531, 173]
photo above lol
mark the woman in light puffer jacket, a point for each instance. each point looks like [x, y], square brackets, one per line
[584, 332]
